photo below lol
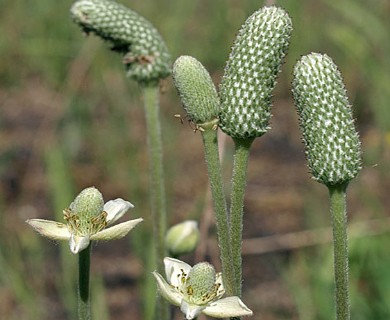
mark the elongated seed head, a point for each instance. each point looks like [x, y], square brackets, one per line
[144, 51]
[250, 73]
[196, 90]
[331, 141]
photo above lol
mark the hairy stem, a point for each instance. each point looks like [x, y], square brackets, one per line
[340, 241]
[157, 187]
[240, 166]
[210, 141]
[83, 294]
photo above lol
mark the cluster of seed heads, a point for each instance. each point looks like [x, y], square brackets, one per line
[242, 109]
[243, 106]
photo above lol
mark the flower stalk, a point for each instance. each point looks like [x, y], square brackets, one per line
[210, 142]
[240, 165]
[340, 246]
[156, 177]
[83, 291]
[150, 95]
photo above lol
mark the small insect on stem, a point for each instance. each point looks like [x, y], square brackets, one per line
[141, 59]
[195, 127]
[198, 128]
[178, 116]
[163, 84]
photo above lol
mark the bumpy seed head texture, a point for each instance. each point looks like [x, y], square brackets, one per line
[250, 73]
[145, 54]
[196, 90]
[332, 143]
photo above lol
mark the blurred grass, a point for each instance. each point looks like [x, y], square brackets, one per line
[309, 278]
[70, 119]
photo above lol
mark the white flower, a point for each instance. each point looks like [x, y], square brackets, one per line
[198, 290]
[87, 218]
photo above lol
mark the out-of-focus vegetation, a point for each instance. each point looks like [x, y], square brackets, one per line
[69, 119]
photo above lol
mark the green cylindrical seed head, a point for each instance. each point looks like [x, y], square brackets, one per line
[145, 54]
[250, 73]
[196, 90]
[331, 141]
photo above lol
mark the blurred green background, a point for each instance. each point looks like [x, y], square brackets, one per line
[70, 119]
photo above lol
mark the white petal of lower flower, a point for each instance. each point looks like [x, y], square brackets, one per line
[116, 232]
[227, 307]
[167, 291]
[77, 243]
[174, 268]
[50, 229]
[221, 289]
[191, 310]
[116, 209]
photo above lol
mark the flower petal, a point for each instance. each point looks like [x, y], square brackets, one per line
[191, 310]
[174, 269]
[77, 243]
[50, 229]
[116, 232]
[227, 307]
[116, 209]
[221, 289]
[167, 291]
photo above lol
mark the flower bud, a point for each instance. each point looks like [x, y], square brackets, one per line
[331, 141]
[182, 238]
[145, 54]
[250, 73]
[196, 90]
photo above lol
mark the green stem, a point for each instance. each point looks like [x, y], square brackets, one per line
[157, 188]
[240, 166]
[340, 241]
[210, 141]
[83, 295]
[61, 186]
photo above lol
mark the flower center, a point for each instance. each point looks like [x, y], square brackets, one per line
[85, 215]
[200, 287]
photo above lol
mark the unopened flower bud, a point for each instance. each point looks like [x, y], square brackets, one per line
[196, 90]
[182, 238]
[145, 54]
[250, 73]
[331, 141]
